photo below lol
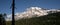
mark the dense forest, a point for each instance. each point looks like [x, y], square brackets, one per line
[50, 19]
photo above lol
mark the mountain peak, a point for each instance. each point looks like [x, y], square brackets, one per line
[31, 12]
[34, 8]
[34, 12]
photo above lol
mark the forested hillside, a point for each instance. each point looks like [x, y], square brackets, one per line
[50, 19]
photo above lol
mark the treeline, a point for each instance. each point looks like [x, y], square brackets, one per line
[50, 19]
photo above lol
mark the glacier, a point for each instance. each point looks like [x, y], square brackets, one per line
[32, 12]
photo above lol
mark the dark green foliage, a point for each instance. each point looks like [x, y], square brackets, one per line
[50, 19]
[2, 20]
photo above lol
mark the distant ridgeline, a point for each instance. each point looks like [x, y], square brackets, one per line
[50, 19]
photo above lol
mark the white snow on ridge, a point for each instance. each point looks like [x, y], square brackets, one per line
[32, 11]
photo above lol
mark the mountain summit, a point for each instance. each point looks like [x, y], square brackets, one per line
[33, 12]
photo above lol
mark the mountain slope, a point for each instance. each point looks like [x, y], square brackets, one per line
[32, 12]
[50, 19]
[35, 11]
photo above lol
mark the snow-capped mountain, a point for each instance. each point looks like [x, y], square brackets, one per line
[31, 12]
[34, 12]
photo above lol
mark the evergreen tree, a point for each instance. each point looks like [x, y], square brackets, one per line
[2, 19]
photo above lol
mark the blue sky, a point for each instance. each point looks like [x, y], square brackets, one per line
[21, 5]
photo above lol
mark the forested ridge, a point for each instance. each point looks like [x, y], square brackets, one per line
[50, 19]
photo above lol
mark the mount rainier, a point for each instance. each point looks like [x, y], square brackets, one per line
[33, 12]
